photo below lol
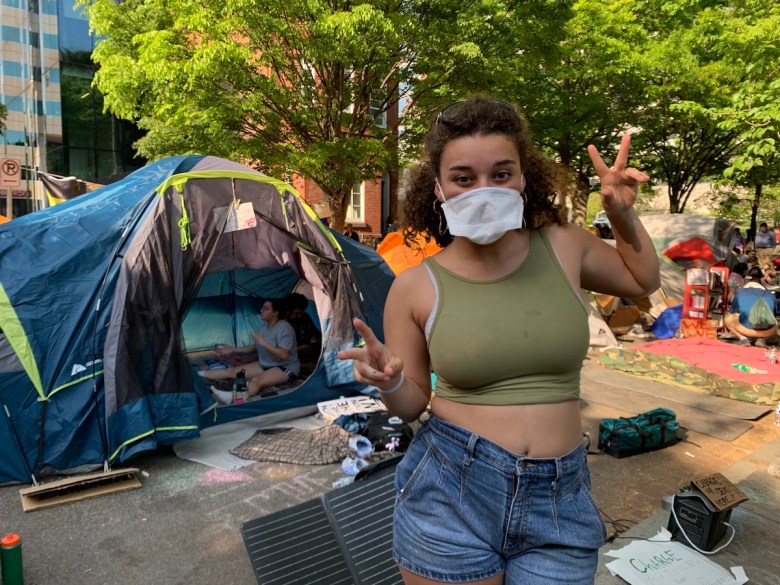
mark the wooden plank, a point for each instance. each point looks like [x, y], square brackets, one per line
[706, 422]
[79, 487]
[595, 374]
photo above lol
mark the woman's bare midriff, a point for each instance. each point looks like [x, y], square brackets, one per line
[533, 430]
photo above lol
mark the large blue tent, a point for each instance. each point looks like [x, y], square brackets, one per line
[104, 298]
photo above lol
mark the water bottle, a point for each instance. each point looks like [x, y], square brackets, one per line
[240, 388]
[11, 559]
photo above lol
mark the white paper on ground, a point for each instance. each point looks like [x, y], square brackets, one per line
[658, 561]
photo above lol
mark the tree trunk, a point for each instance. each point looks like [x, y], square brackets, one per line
[754, 212]
[339, 203]
[579, 199]
[674, 199]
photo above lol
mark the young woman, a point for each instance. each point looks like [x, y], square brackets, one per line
[495, 488]
[277, 353]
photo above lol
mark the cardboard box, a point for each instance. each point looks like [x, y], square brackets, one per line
[707, 328]
[654, 304]
[622, 319]
[607, 304]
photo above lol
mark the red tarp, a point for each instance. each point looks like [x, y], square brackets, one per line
[717, 357]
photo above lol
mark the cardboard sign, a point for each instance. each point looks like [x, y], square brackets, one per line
[330, 410]
[707, 328]
[719, 491]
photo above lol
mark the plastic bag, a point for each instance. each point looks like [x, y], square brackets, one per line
[761, 315]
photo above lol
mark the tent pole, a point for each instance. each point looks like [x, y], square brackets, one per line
[19, 444]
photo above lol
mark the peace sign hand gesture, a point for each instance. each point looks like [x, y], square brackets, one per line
[619, 185]
[374, 364]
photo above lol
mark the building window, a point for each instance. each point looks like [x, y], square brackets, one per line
[380, 118]
[374, 110]
[356, 206]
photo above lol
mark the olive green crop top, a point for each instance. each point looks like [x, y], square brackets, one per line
[520, 339]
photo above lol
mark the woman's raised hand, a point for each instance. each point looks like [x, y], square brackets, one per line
[374, 364]
[619, 184]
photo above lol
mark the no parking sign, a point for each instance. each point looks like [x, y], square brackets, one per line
[10, 172]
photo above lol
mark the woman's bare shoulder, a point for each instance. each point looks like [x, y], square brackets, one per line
[412, 277]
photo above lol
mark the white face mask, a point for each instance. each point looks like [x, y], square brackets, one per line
[484, 215]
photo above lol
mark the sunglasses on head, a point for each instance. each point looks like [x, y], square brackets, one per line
[452, 110]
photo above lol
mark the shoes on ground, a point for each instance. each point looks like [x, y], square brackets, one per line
[761, 343]
[352, 466]
[221, 396]
[360, 445]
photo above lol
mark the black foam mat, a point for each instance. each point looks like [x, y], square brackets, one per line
[342, 538]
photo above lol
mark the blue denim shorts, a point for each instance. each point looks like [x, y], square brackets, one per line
[467, 509]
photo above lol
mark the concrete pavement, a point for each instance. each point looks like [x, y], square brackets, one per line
[183, 526]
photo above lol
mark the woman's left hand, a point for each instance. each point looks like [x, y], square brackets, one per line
[619, 184]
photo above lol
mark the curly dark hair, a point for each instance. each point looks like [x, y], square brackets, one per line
[294, 301]
[485, 116]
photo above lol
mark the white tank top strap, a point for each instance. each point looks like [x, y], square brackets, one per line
[435, 308]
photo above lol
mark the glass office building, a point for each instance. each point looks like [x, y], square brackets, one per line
[55, 121]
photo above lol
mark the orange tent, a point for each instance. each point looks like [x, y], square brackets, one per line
[4, 219]
[400, 257]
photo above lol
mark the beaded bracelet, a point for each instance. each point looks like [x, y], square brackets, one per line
[394, 388]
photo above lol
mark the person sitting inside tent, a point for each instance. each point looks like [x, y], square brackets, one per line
[277, 356]
[306, 333]
[753, 315]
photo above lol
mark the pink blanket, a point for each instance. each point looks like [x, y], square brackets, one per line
[717, 357]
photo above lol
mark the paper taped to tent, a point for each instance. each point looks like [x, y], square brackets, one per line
[103, 297]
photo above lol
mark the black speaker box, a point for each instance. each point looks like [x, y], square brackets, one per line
[700, 520]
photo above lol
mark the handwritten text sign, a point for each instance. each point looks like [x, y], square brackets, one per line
[721, 492]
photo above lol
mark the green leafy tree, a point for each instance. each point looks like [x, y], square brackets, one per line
[293, 85]
[3, 116]
[584, 89]
[751, 43]
[487, 46]
[680, 140]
